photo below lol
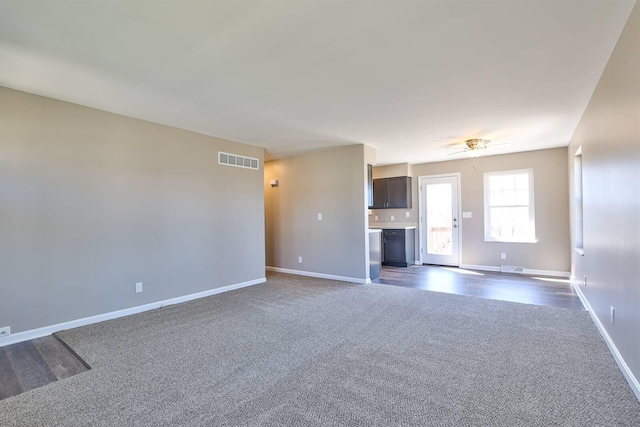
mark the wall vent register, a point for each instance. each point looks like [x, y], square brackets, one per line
[238, 161]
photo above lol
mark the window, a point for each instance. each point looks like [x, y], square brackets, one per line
[508, 206]
[577, 195]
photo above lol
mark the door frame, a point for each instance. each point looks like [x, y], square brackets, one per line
[421, 212]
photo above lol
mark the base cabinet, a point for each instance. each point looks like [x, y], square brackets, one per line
[398, 247]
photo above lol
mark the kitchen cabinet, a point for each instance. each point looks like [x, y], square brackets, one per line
[390, 193]
[375, 253]
[370, 186]
[398, 247]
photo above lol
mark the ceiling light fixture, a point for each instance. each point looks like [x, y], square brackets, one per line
[476, 144]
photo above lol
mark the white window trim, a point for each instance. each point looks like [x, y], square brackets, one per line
[487, 208]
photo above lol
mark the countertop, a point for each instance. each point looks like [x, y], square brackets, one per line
[392, 226]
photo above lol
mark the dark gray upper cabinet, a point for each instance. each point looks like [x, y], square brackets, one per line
[370, 186]
[390, 193]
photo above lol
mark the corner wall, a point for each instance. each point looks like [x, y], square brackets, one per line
[93, 202]
[331, 182]
[609, 135]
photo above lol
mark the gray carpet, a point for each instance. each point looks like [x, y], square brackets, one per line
[299, 351]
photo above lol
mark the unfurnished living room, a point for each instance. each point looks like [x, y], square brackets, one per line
[320, 213]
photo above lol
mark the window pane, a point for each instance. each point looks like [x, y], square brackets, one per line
[508, 182]
[522, 181]
[439, 219]
[509, 197]
[522, 198]
[495, 183]
[510, 223]
[509, 210]
[495, 198]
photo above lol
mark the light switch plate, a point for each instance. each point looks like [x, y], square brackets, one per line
[393, 217]
[319, 216]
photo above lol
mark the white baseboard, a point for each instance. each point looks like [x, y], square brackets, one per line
[319, 275]
[528, 271]
[48, 330]
[631, 379]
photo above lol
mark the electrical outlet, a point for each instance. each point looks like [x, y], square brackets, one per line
[5, 332]
[376, 217]
[393, 217]
[138, 287]
[503, 255]
[406, 214]
[319, 216]
[299, 260]
[612, 312]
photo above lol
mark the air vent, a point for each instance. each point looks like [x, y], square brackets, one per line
[511, 269]
[238, 161]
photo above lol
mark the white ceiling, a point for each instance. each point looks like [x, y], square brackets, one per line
[406, 77]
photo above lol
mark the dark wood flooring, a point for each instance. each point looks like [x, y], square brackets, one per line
[31, 364]
[538, 290]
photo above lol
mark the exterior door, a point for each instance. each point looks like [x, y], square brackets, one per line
[439, 220]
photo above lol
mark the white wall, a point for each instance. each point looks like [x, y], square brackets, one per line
[609, 136]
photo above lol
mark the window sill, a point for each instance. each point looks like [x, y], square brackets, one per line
[509, 241]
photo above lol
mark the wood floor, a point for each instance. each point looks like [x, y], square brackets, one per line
[31, 364]
[538, 290]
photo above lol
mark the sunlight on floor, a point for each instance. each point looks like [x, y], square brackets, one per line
[548, 279]
[462, 271]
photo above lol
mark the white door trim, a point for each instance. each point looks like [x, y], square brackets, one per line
[421, 236]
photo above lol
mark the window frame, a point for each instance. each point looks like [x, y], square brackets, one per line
[487, 207]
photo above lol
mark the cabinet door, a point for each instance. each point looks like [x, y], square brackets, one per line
[394, 247]
[379, 193]
[399, 192]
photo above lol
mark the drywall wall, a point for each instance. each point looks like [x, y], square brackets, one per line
[329, 182]
[390, 171]
[93, 202]
[550, 252]
[609, 137]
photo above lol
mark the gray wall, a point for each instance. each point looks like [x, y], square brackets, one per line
[552, 250]
[609, 134]
[331, 182]
[93, 202]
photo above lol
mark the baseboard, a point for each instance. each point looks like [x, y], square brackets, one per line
[528, 271]
[319, 275]
[631, 379]
[48, 330]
